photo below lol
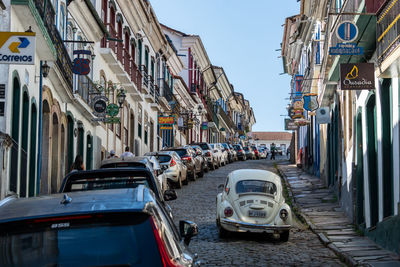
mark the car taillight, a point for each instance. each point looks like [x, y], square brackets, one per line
[173, 163]
[228, 211]
[187, 158]
[241, 150]
[166, 259]
[208, 154]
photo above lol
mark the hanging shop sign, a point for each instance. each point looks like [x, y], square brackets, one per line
[99, 105]
[81, 64]
[301, 122]
[346, 49]
[357, 76]
[166, 120]
[180, 122]
[204, 125]
[347, 31]
[166, 127]
[291, 112]
[310, 102]
[298, 109]
[112, 110]
[112, 120]
[323, 116]
[298, 80]
[17, 48]
[290, 125]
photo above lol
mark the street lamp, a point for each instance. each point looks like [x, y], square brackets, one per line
[121, 97]
[45, 69]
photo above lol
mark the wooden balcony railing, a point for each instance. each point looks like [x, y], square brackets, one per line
[127, 61]
[388, 29]
[113, 34]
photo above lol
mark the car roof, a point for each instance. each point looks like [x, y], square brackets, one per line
[143, 160]
[82, 202]
[253, 174]
[164, 152]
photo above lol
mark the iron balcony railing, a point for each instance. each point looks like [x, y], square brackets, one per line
[145, 75]
[86, 89]
[46, 12]
[167, 93]
[388, 29]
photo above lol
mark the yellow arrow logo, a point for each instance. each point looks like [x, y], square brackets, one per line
[14, 47]
[352, 74]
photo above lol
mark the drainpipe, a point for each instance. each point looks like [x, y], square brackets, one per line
[39, 160]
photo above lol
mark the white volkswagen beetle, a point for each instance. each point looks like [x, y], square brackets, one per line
[252, 201]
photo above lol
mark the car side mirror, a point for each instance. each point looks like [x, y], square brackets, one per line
[170, 194]
[188, 229]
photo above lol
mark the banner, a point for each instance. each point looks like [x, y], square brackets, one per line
[17, 48]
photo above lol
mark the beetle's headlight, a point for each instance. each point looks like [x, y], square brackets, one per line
[283, 214]
[228, 211]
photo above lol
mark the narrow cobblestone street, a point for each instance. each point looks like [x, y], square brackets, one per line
[196, 202]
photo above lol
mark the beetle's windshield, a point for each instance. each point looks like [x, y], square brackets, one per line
[255, 186]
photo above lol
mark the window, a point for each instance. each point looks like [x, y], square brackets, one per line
[140, 121]
[146, 58]
[61, 27]
[70, 36]
[255, 186]
[126, 123]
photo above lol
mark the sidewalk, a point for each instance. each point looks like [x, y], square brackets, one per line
[320, 209]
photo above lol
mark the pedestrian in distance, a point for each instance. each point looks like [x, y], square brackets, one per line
[273, 151]
[78, 164]
[112, 155]
[127, 153]
[288, 152]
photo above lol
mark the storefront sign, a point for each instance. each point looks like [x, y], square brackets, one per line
[99, 105]
[112, 110]
[164, 127]
[346, 49]
[290, 125]
[357, 76]
[323, 116]
[17, 48]
[166, 120]
[347, 31]
[81, 65]
[298, 109]
[310, 102]
[204, 125]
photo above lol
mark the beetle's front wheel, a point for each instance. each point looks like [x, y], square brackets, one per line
[284, 236]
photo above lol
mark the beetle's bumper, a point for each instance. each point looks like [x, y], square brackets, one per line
[236, 226]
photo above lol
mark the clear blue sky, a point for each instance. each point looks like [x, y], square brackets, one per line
[240, 36]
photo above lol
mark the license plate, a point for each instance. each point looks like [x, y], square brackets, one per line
[257, 213]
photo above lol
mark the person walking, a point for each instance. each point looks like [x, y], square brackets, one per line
[112, 154]
[127, 153]
[78, 164]
[273, 151]
[288, 152]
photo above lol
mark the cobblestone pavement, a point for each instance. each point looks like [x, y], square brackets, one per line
[197, 202]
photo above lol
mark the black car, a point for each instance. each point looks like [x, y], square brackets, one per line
[241, 154]
[188, 156]
[118, 227]
[116, 178]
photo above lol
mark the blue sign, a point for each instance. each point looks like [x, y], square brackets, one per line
[346, 49]
[347, 31]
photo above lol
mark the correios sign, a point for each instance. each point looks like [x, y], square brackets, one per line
[357, 76]
[17, 48]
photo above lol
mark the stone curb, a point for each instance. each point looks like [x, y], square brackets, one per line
[344, 257]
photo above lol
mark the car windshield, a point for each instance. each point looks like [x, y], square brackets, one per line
[181, 152]
[164, 158]
[255, 186]
[225, 145]
[204, 146]
[84, 240]
[237, 147]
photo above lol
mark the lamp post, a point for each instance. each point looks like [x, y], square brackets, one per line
[121, 97]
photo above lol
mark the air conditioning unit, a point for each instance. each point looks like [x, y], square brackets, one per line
[323, 115]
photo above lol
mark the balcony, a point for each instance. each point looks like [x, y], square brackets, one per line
[84, 93]
[156, 105]
[225, 117]
[145, 80]
[41, 17]
[388, 29]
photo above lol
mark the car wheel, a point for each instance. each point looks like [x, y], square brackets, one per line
[201, 174]
[179, 182]
[194, 175]
[186, 181]
[206, 168]
[284, 236]
[221, 231]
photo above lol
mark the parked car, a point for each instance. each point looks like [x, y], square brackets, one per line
[222, 155]
[144, 162]
[249, 152]
[263, 153]
[256, 152]
[209, 155]
[201, 157]
[235, 157]
[188, 156]
[229, 152]
[174, 169]
[278, 150]
[241, 154]
[106, 227]
[253, 201]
